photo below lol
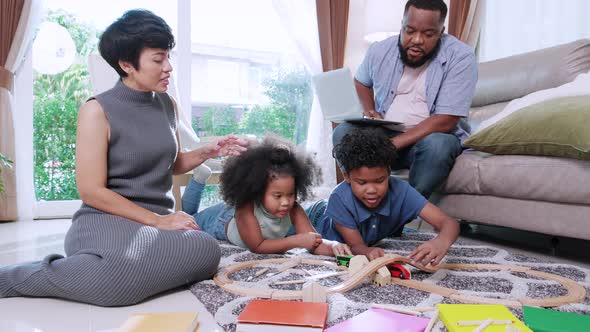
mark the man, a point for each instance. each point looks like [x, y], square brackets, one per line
[424, 79]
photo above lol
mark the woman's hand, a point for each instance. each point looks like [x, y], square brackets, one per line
[229, 145]
[177, 221]
[340, 249]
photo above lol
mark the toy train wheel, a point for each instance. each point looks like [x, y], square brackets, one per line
[399, 271]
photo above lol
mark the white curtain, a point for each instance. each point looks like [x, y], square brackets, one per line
[30, 17]
[300, 21]
[513, 27]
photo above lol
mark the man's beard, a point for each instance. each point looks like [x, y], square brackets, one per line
[415, 64]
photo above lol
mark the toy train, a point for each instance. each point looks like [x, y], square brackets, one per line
[396, 270]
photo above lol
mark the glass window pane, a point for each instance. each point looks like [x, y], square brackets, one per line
[246, 73]
[61, 83]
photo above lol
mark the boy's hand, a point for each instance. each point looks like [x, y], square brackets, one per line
[431, 252]
[340, 249]
[375, 253]
[309, 240]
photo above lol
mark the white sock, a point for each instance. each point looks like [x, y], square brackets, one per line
[202, 173]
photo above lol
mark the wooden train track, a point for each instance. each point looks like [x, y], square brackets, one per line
[575, 292]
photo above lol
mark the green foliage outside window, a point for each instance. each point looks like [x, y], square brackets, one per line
[291, 97]
[286, 114]
[55, 110]
[4, 163]
[219, 121]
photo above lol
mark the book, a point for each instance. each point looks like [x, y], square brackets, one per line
[158, 322]
[273, 315]
[381, 320]
[545, 320]
[450, 314]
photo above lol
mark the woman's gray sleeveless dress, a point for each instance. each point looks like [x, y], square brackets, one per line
[113, 261]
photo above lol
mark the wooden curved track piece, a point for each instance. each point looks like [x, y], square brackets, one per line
[575, 292]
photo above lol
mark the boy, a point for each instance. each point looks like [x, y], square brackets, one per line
[372, 205]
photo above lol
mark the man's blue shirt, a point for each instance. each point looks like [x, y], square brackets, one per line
[401, 205]
[450, 78]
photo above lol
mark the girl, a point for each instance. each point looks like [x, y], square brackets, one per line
[260, 189]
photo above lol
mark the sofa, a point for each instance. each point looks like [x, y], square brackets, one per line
[543, 194]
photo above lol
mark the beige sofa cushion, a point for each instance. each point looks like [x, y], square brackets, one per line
[524, 177]
[477, 115]
[518, 75]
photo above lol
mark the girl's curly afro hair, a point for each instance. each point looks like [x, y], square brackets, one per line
[364, 146]
[244, 178]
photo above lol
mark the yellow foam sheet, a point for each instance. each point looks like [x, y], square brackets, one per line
[450, 314]
[157, 322]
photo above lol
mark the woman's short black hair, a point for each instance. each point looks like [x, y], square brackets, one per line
[245, 178]
[364, 147]
[125, 38]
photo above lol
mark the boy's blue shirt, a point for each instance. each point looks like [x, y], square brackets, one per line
[401, 205]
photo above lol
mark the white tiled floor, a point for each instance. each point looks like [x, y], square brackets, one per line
[32, 240]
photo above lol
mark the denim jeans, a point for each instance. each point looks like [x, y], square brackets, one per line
[430, 159]
[315, 213]
[212, 220]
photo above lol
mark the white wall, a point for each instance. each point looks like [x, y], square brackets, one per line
[514, 27]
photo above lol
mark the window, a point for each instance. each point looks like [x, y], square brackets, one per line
[246, 71]
[223, 81]
[61, 83]
[244, 75]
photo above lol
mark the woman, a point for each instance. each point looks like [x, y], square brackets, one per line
[125, 243]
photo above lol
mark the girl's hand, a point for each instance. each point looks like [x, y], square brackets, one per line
[177, 221]
[309, 240]
[340, 249]
[431, 252]
[229, 145]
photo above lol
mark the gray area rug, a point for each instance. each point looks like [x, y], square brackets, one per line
[225, 306]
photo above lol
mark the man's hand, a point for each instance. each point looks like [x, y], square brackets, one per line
[431, 252]
[373, 114]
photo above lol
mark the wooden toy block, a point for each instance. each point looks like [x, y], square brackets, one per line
[357, 263]
[313, 292]
[382, 277]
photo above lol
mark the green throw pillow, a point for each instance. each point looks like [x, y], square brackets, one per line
[558, 127]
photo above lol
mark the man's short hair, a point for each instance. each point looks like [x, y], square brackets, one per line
[125, 38]
[434, 5]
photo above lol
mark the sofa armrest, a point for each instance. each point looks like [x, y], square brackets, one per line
[518, 75]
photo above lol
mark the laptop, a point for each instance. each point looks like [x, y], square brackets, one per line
[339, 100]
